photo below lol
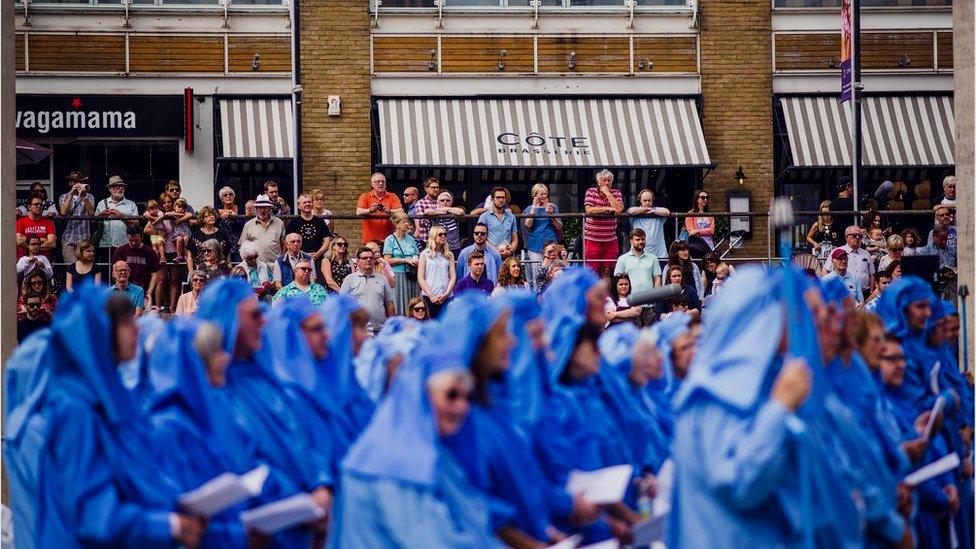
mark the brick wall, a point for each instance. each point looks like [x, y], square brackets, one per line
[737, 87]
[335, 61]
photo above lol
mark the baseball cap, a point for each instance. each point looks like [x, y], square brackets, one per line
[262, 201]
[838, 253]
[116, 180]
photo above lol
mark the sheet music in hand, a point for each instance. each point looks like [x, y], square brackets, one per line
[224, 491]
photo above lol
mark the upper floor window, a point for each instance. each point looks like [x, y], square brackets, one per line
[525, 3]
[864, 3]
[118, 4]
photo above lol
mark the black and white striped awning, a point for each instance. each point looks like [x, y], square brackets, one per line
[540, 132]
[257, 128]
[897, 131]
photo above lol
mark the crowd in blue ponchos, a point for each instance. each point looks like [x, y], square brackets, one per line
[784, 418]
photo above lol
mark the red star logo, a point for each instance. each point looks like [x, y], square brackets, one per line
[76, 103]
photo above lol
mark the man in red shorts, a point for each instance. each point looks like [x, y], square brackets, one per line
[600, 233]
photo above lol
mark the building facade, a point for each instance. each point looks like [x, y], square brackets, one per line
[670, 95]
[157, 90]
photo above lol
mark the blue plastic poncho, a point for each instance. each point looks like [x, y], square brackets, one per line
[338, 368]
[568, 293]
[401, 488]
[28, 378]
[399, 336]
[257, 395]
[100, 480]
[891, 308]
[739, 463]
[630, 406]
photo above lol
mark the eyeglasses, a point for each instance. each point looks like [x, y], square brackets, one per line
[198, 279]
[481, 233]
[173, 190]
[303, 269]
[420, 309]
[208, 251]
[34, 305]
[705, 196]
[499, 197]
[441, 235]
[36, 204]
[853, 235]
[366, 258]
[121, 270]
[37, 281]
[454, 394]
[443, 199]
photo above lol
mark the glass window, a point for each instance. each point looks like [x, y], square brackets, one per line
[523, 3]
[145, 166]
[864, 3]
[115, 3]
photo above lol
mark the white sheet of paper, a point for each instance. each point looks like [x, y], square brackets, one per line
[936, 409]
[934, 377]
[665, 480]
[933, 470]
[607, 485]
[281, 514]
[608, 544]
[650, 530]
[572, 542]
[223, 491]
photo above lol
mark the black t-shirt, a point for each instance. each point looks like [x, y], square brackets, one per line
[26, 327]
[198, 237]
[313, 231]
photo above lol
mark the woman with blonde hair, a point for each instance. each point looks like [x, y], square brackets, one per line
[83, 268]
[511, 276]
[318, 207]
[435, 271]
[400, 250]
[335, 264]
[540, 230]
[823, 236]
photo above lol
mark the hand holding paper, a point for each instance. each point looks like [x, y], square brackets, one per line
[281, 514]
[224, 491]
[607, 485]
[933, 470]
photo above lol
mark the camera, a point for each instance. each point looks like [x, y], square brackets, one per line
[85, 188]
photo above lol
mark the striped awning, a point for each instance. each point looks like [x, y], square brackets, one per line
[257, 128]
[540, 132]
[896, 131]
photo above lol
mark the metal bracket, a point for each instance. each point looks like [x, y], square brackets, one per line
[695, 14]
[125, 14]
[226, 5]
[26, 4]
[535, 4]
[501, 59]
[287, 4]
[631, 4]
[440, 13]
[376, 13]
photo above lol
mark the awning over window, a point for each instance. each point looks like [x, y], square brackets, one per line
[541, 132]
[896, 131]
[257, 128]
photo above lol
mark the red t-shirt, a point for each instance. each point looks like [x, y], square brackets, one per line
[29, 227]
[378, 228]
[595, 228]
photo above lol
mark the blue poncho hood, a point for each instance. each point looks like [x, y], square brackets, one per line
[667, 330]
[562, 331]
[399, 336]
[737, 348]
[28, 376]
[898, 295]
[616, 345]
[401, 441]
[338, 367]
[528, 382]
[218, 304]
[82, 347]
[464, 323]
[291, 356]
[568, 293]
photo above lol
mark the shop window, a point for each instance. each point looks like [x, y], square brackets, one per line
[115, 3]
[145, 166]
[864, 3]
[525, 3]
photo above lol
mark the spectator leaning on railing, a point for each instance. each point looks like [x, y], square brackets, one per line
[78, 201]
[600, 233]
[116, 205]
[34, 224]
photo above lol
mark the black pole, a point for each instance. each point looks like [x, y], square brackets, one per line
[856, 87]
[296, 100]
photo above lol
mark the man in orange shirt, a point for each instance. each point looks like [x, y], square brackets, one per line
[377, 205]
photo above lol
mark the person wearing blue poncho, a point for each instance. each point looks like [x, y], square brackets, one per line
[198, 432]
[631, 360]
[677, 342]
[381, 356]
[257, 395]
[496, 452]
[347, 322]
[938, 498]
[28, 377]
[400, 486]
[100, 482]
[300, 346]
[736, 461]
[878, 461]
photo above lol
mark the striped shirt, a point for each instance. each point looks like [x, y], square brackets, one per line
[600, 229]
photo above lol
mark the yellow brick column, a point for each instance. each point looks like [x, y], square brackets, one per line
[335, 61]
[737, 87]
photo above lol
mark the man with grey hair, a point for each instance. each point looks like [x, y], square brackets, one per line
[265, 230]
[288, 261]
[600, 233]
[939, 246]
[949, 191]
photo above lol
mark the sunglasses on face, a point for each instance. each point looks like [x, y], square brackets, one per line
[199, 280]
[480, 233]
[703, 197]
[304, 269]
[454, 394]
[420, 309]
[366, 258]
[341, 244]
[33, 305]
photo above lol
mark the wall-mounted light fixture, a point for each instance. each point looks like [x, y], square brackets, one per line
[645, 63]
[831, 62]
[905, 62]
[256, 62]
[432, 64]
[571, 63]
[740, 177]
[739, 200]
[501, 59]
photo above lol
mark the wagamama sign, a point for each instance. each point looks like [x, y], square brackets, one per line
[99, 116]
[44, 121]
